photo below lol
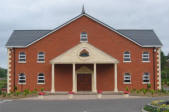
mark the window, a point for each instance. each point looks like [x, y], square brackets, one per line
[41, 57]
[83, 37]
[22, 57]
[126, 57]
[84, 53]
[145, 57]
[22, 79]
[146, 78]
[127, 78]
[41, 78]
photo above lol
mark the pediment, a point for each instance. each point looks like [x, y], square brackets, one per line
[73, 55]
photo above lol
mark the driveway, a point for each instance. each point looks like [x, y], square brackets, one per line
[106, 105]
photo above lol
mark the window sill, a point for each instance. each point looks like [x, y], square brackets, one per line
[145, 82]
[40, 83]
[126, 61]
[126, 82]
[83, 41]
[21, 61]
[40, 61]
[146, 61]
[22, 83]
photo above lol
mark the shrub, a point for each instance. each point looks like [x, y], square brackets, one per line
[42, 89]
[137, 91]
[144, 91]
[26, 92]
[15, 88]
[127, 89]
[0, 92]
[9, 94]
[148, 86]
[133, 90]
[152, 92]
[4, 94]
[17, 93]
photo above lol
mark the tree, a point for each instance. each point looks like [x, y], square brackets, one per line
[3, 73]
[163, 60]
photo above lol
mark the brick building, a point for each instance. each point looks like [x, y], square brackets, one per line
[83, 54]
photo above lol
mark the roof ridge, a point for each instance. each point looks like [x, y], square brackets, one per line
[33, 30]
[134, 29]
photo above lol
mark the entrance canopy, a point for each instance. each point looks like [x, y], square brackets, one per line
[84, 53]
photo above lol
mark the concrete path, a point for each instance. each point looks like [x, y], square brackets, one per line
[81, 97]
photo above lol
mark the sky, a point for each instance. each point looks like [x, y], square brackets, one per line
[48, 14]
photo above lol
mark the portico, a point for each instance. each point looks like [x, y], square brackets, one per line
[84, 53]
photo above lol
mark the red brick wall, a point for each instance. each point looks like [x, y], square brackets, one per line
[67, 37]
[105, 77]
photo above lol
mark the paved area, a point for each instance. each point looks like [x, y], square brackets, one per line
[90, 105]
[81, 97]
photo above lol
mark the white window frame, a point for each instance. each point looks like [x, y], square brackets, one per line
[128, 56]
[83, 35]
[40, 56]
[22, 57]
[41, 79]
[19, 78]
[144, 77]
[127, 78]
[145, 56]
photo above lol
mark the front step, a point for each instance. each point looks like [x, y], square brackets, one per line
[88, 93]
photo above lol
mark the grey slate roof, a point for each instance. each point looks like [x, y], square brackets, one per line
[22, 38]
[143, 37]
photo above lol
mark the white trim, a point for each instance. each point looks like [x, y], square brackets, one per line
[147, 56]
[159, 68]
[53, 79]
[22, 57]
[9, 70]
[115, 78]
[128, 57]
[96, 20]
[40, 79]
[127, 61]
[21, 79]
[38, 57]
[124, 76]
[40, 61]
[21, 61]
[72, 56]
[146, 83]
[144, 78]
[146, 61]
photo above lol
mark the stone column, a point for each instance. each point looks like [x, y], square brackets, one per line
[95, 79]
[74, 89]
[53, 79]
[115, 78]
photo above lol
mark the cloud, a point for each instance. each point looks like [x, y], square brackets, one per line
[45, 14]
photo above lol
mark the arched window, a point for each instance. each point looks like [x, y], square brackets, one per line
[83, 37]
[127, 78]
[41, 78]
[145, 57]
[22, 78]
[41, 57]
[22, 57]
[84, 53]
[126, 56]
[146, 78]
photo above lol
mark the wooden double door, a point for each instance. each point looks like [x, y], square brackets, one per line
[84, 82]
